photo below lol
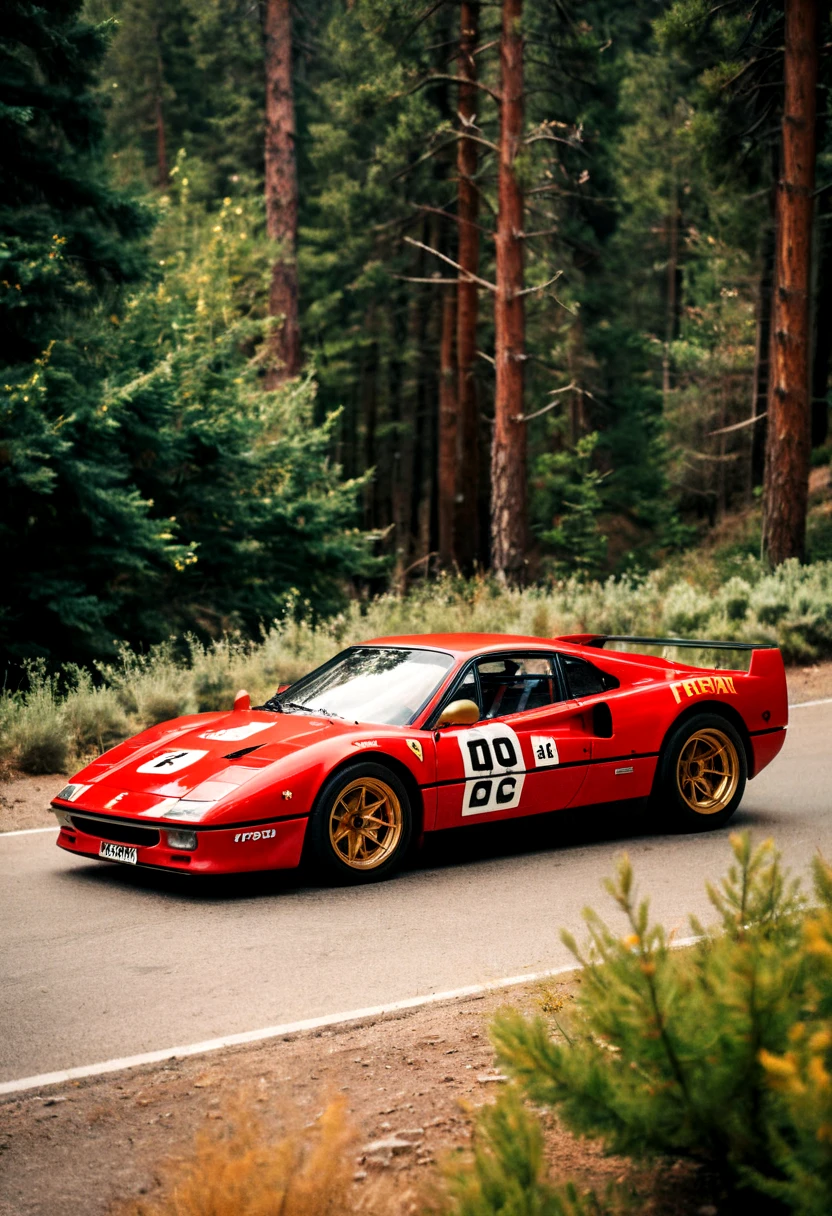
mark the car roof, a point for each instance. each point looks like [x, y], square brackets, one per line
[465, 643]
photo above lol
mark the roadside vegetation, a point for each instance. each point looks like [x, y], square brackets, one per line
[58, 719]
[718, 1056]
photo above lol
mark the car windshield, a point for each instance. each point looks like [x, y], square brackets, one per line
[379, 684]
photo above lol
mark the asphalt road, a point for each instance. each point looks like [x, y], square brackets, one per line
[100, 961]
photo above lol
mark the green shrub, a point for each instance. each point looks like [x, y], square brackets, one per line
[721, 1053]
[151, 687]
[33, 732]
[508, 1174]
[93, 715]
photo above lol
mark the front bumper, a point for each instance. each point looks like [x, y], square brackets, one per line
[228, 849]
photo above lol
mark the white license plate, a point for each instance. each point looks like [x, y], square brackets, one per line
[118, 852]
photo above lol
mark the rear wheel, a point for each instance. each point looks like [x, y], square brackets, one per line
[702, 773]
[361, 825]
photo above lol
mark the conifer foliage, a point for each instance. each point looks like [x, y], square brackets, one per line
[720, 1052]
[146, 481]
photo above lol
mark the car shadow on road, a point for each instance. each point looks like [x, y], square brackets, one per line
[554, 833]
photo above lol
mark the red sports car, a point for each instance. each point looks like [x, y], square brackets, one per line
[408, 735]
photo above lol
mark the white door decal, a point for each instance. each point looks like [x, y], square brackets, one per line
[171, 762]
[493, 761]
[544, 750]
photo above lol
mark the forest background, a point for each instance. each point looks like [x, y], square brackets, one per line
[302, 303]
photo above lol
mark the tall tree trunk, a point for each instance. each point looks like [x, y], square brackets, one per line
[822, 321]
[508, 451]
[281, 193]
[447, 431]
[467, 541]
[788, 444]
[762, 346]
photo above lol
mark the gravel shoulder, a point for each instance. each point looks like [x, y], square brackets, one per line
[24, 801]
[92, 1145]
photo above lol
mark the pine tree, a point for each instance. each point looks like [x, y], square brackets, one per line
[76, 535]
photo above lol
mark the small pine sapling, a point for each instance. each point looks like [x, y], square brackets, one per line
[663, 1054]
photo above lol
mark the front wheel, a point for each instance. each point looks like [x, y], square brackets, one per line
[702, 773]
[361, 825]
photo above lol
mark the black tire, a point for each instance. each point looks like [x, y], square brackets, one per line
[368, 851]
[701, 774]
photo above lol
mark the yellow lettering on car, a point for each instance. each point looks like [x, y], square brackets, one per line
[702, 686]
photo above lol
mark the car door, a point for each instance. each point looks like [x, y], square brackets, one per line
[622, 767]
[529, 752]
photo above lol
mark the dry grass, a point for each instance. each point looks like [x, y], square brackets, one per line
[242, 1171]
[58, 721]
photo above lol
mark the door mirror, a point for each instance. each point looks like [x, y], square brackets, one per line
[459, 713]
[242, 701]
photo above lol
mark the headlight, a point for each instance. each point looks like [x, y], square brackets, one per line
[72, 791]
[62, 817]
[181, 839]
[187, 809]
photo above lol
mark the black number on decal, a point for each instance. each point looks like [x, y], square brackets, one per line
[480, 754]
[505, 753]
[505, 790]
[480, 793]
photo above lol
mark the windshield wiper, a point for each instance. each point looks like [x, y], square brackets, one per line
[273, 705]
[307, 709]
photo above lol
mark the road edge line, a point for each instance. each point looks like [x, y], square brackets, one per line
[27, 831]
[808, 704]
[290, 1029]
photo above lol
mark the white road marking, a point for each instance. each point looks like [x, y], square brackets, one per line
[27, 832]
[807, 704]
[289, 1029]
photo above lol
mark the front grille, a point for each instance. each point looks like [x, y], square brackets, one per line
[124, 833]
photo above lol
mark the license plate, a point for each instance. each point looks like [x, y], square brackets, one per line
[118, 852]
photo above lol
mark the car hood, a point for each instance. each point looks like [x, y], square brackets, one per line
[223, 750]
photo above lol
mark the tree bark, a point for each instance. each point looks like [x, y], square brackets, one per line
[508, 451]
[788, 443]
[822, 322]
[447, 431]
[467, 539]
[281, 193]
[762, 348]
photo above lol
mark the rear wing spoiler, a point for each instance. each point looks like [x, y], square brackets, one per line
[599, 640]
[766, 659]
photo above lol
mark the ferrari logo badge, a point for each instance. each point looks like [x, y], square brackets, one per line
[416, 747]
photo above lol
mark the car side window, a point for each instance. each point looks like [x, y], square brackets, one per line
[584, 679]
[510, 684]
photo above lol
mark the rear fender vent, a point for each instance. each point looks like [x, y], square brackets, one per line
[602, 720]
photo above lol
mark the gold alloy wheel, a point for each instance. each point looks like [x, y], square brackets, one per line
[365, 824]
[708, 771]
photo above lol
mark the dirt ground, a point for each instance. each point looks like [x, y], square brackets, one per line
[24, 801]
[90, 1145]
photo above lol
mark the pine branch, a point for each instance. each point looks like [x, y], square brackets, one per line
[468, 276]
[738, 426]
[527, 291]
[448, 215]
